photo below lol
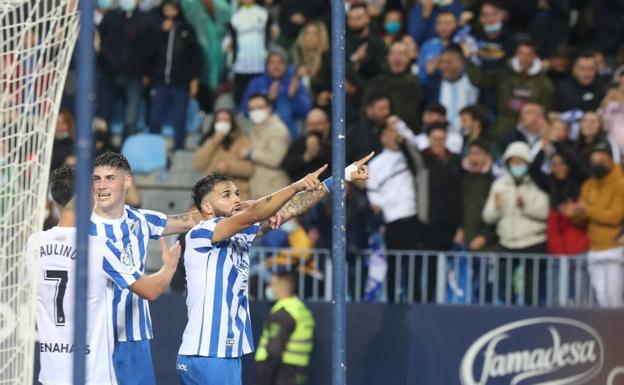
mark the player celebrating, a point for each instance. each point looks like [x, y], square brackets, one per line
[218, 331]
[55, 297]
[129, 230]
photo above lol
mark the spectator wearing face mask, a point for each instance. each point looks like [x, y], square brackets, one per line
[393, 28]
[422, 18]
[310, 152]
[400, 84]
[174, 75]
[446, 25]
[493, 43]
[519, 210]
[220, 150]
[270, 140]
[601, 209]
[288, 97]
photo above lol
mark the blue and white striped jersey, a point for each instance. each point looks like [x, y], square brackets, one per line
[219, 323]
[130, 234]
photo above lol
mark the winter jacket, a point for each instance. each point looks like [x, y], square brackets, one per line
[603, 199]
[475, 187]
[570, 95]
[444, 184]
[373, 63]
[517, 227]
[210, 153]
[404, 92]
[177, 59]
[297, 168]
[289, 109]
[514, 90]
[128, 41]
[564, 236]
[270, 141]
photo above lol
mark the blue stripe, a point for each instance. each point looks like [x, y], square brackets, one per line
[201, 233]
[92, 228]
[251, 230]
[114, 274]
[216, 312]
[136, 275]
[242, 300]
[248, 331]
[142, 319]
[229, 296]
[110, 233]
[202, 249]
[129, 324]
[157, 221]
[116, 300]
[113, 249]
[125, 231]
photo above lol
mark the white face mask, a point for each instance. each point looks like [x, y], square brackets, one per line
[223, 127]
[268, 294]
[258, 115]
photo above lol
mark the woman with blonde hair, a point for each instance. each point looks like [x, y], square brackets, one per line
[311, 55]
[220, 148]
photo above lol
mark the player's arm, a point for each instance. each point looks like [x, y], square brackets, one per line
[305, 200]
[264, 208]
[181, 223]
[152, 286]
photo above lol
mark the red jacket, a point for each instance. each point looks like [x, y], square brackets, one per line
[564, 237]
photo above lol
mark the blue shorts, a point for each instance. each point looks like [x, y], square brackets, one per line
[132, 361]
[198, 370]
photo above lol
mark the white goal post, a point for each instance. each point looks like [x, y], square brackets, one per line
[37, 38]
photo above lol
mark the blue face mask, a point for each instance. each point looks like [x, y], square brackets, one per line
[518, 170]
[392, 27]
[104, 4]
[493, 28]
[127, 5]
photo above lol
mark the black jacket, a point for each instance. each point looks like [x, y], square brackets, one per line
[570, 95]
[373, 63]
[363, 138]
[297, 168]
[128, 41]
[177, 58]
[310, 9]
[445, 202]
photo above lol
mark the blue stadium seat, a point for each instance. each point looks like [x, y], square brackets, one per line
[146, 153]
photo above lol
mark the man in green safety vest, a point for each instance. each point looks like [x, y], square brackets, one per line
[286, 343]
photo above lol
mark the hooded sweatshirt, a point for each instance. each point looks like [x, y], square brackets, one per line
[517, 227]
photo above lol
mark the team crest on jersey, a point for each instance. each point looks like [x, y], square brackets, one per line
[126, 258]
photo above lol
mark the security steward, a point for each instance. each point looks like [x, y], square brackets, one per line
[287, 336]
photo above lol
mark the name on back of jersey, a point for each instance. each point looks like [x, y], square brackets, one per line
[59, 250]
[59, 347]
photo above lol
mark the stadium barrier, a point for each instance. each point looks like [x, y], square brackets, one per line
[433, 277]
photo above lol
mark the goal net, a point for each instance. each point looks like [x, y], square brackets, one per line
[37, 38]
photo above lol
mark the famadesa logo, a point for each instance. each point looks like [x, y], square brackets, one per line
[535, 351]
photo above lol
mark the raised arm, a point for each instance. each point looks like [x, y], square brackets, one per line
[264, 208]
[181, 223]
[305, 200]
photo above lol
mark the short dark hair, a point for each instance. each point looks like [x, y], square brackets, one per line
[585, 54]
[493, 3]
[527, 43]
[374, 97]
[358, 5]
[436, 126]
[259, 95]
[481, 143]
[113, 160]
[476, 112]
[435, 107]
[62, 185]
[205, 186]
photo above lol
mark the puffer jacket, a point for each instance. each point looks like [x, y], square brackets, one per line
[517, 227]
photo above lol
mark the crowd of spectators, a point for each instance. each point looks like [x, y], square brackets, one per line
[498, 124]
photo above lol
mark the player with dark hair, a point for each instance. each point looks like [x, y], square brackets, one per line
[218, 332]
[56, 252]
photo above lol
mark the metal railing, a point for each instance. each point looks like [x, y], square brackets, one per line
[434, 277]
